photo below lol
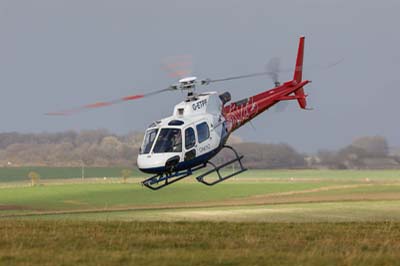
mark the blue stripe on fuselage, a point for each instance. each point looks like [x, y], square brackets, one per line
[185, 164]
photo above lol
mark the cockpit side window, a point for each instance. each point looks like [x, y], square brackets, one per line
[148, 141]
[190, 138]
[169, 140]
[203, 132]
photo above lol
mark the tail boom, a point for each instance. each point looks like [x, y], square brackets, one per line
[241, 112]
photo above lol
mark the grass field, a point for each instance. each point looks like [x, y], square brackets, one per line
[303, 217]
[198, 243]
[15, 174]
[303, 195]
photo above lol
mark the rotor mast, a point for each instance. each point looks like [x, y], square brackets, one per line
[189, 84]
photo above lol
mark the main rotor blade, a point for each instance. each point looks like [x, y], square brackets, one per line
[108, 103]
[208, 81]
[178, 66]
[273, 73]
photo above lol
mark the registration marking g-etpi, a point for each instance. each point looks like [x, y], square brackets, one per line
[200, 104]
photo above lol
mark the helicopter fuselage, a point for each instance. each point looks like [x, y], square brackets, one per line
[201, 125]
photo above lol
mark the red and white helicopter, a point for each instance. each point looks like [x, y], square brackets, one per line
[177, 146]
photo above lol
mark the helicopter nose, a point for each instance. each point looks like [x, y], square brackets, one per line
[150, 163]
[156, 163]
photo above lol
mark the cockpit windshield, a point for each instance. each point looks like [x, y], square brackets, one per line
[148, 140]
[169, 140]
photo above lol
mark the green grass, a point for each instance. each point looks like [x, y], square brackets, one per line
[198, 243]
[83, 196]
[252, 189]
[233, 201]
[351, 211]
[14, 174]
[328, 174]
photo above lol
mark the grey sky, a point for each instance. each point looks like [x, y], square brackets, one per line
[61, 54]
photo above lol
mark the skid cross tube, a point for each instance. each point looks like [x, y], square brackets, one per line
[168, 179]
[201, 178]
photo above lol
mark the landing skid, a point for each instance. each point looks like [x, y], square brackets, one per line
[167, 179]
[162, 180]
[217, 169]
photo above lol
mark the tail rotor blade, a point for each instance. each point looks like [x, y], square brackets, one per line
[273, 67]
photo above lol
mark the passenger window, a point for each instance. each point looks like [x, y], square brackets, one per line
[202, 132]
[190, 139]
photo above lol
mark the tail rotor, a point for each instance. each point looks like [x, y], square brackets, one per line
[273, 70]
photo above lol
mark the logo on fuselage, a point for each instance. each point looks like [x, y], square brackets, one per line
[204, 148]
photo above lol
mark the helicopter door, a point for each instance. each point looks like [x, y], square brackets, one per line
[190, 144]
[203, 138]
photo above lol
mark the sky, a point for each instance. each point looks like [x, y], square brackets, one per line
[60, 54]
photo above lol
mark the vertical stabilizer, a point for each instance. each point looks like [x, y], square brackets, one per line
[298, 74]
[298, 71]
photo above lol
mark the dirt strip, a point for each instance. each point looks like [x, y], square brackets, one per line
[15, 207]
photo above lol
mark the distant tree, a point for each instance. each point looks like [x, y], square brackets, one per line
[109, 147]
[355, 155]
[328, 159]
[133, 139]
[269, 156]
[34, 177]
[351, 157]
[91, 136]
[125, 173]
[375, 146]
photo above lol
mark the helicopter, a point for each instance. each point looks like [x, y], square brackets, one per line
[177, 146]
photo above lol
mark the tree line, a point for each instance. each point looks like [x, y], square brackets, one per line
[370, 152]
[89, 147]
[102, 148]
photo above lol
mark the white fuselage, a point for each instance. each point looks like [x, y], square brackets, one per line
[191, 136]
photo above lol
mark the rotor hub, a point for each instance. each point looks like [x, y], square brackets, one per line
[188, 83]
